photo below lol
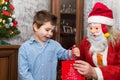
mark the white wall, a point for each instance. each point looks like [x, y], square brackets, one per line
[24, 12]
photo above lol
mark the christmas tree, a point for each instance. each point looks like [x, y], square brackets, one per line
[8, 23]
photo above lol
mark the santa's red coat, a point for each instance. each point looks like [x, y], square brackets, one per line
[112, 70]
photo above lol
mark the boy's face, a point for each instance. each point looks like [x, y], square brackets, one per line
[44, 33]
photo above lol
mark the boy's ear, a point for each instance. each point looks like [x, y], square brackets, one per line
[35, 28]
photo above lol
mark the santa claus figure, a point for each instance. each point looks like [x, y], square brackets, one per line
[100, 50]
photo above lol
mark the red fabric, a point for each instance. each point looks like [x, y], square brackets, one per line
[110, 72]
[100, 9]
[68, 71]
[104, 29]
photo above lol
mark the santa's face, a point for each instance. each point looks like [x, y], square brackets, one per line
[96, 38]
[95, 31]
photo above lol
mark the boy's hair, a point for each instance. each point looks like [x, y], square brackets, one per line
[44, 16]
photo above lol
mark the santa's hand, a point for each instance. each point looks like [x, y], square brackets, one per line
[85, 69]
[76, 51]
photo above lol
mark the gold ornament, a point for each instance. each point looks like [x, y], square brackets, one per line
[3, 21]
[2, 2]
[6, 3]
[1, 26]
[10, 32]
[0, 20]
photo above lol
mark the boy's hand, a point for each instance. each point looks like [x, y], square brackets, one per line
[76, 51]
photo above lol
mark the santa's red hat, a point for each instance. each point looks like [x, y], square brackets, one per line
[101, 14]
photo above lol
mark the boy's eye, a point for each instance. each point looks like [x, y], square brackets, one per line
[47, 29]
[53, 31]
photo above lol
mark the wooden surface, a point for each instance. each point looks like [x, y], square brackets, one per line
[8, 62]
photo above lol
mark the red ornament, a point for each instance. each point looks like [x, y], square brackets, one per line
[11, 7]
[7, 0]
[6, 13]
[15, 23]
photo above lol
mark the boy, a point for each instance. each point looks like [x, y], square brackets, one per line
[38, 57]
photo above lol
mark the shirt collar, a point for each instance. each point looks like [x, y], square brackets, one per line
[32, 40]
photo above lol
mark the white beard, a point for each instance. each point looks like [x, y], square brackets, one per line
[98, 44]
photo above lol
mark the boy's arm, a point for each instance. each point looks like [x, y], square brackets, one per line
[23, 68]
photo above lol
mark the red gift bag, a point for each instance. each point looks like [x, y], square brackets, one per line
[68, 71]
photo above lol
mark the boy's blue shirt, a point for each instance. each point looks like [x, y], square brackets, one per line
[36, 62]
